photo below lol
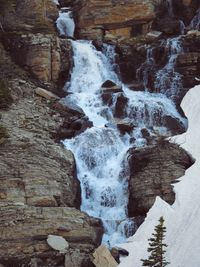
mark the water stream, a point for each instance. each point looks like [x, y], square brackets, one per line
[101, 151]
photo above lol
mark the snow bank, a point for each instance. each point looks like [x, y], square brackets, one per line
[182, 219]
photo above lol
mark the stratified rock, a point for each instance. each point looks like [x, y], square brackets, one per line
[45, 56]
[39, 188]
[152, 171]
[26, 230]
[115, 17]
[34, 170]
[103, 257]
[31, 16]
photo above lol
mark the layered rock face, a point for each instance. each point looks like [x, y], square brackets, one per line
[39, 192]
[23, 241]
[152, 171]
[119, 18]
[30, 31]
[39, 188]
[45, 56]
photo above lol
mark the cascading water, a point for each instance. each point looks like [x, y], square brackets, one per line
[100, 151]
[143, 71]
[65, 23]
[195, 23]
[168, 80]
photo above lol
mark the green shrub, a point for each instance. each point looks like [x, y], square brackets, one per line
[5, 96]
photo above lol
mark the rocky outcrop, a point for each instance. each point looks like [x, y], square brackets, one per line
[96, 19]
[152, 171]
[30, 16]
[45, 56]
[39, 193]
[23, 241]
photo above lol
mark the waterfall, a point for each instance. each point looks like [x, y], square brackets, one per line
[65, 23]
[195, 23]
[143, 71]
[100, 151]
[168, 80]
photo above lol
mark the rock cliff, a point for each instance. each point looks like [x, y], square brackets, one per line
[39, 193]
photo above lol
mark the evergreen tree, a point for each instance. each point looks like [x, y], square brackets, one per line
[157, 247]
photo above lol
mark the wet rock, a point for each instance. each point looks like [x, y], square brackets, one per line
[108, 84]
[173, 124]
[108, 89]
[120, 105]
[71, 128]
[136, 86]
[145, 133]
[167, 26]
[125, 126]
[152, 171]
[71, 107]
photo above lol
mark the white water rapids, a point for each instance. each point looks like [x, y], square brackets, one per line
[100, 151]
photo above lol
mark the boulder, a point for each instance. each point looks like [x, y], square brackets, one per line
[103, 257]
[109, 88]
[125, 126]
[154, 35]
[58, 243]
[173, 124]
[152, 171]
[46, 94]
[108, 84]
[120, 104]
